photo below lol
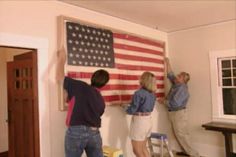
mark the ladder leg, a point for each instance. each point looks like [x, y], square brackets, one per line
[150, 147]
[168, 148]
[162, 145]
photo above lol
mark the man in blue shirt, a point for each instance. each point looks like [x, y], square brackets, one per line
[176, 101]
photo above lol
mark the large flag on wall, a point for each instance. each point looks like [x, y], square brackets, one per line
[124, 56]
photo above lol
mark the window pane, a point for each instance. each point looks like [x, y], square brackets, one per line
[226, 73]
[235, 82]
[227, 82]
[234, 71]
[234, 63]
[229, 101]
[17, 84]
[25, 72]
[17, 72]
[30, 71]
[31, 84]
[225, 63]
[25, 84]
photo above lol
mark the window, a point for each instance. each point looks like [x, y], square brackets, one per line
[223, 85]
[227, 77]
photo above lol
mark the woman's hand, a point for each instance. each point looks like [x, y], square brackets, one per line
[167, 60]
[124, 106]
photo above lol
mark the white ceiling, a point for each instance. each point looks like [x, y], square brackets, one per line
[165, 15]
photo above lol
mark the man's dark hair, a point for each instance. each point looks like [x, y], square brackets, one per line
[99, 78]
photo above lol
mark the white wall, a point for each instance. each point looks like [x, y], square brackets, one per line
[37, 19]
[188, 51]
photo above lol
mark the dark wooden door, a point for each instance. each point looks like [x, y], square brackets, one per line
[23, 106]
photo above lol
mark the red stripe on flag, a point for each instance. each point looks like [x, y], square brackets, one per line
[160, 95]
[138, 58]
[79, 74]
[137, 39]
[111, 98]
[135, 67]
[125, 77]
[126, 97]
[160, 86]
[135, 48]
[120, 87]
[125, 87]
[160, 77]
[86, 75]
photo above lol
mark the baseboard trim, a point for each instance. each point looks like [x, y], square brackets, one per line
[4, 154]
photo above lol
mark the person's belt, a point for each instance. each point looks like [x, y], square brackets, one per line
[176, 109]
[142, 113]
[94, 128]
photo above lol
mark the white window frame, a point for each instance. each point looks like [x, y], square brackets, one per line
[216, 89]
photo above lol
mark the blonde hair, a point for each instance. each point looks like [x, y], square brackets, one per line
[186, 77]
[148, 81]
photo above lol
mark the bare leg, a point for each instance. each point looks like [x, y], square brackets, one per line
[137, 148]
[145, 150]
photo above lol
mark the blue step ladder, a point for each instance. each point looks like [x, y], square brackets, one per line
[159, 140]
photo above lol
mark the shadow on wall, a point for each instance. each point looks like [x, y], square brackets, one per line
[118, 128]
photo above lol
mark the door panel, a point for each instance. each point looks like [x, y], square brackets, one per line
[23, 107]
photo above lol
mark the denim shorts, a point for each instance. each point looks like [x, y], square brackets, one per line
[80, 138]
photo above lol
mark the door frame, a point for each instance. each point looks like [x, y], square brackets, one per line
[41, 45]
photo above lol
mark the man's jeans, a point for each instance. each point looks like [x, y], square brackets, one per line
[80, 138]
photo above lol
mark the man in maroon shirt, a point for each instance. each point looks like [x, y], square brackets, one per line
[85, 108]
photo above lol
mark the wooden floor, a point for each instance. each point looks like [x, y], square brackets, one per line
[177, 156]
[167, 155]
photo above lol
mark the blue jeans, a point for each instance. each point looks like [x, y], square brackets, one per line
[80, 138]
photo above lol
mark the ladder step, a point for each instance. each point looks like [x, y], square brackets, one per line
[160, 142]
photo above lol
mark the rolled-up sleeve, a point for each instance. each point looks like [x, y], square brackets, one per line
[66, 83]
[171, 76]
[67, 87]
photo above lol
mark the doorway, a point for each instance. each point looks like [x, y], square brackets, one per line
[22, 101]
[42, 46]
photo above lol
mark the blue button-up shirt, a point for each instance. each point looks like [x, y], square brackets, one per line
[142, 101]
[178, 95]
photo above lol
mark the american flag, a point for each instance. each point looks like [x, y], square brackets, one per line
[124, 56]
